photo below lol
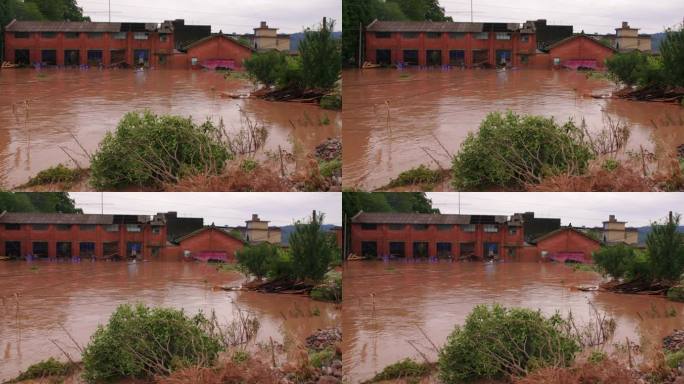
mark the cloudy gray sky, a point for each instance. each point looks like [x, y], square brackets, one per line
[578, 209]
[601, 16]
[226, 15]
[220, 208]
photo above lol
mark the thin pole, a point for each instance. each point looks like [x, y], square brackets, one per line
[102, 203]
[110, 10]
[360, 44]
[471, 11]
[459, 203]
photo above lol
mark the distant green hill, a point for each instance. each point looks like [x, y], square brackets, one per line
[296, 38]
[644, 231]
[288, 230]
[656, 40]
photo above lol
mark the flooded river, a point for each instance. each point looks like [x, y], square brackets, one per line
[426, 106]
[384, 303]
[42, 111]
[80, 296]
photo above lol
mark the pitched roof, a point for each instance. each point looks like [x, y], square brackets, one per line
[424, 218]
[54, 218]
[203, 40]
[201, 230]
[560, 230]
[445, 26]
[570, 38]
[85, 26]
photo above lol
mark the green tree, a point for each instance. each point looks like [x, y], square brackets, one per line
[615, 260]
[266, 67]
[258, 259]
[665, 246]
[320, 54]
[47, 202]
[672, 51]
[312, 249]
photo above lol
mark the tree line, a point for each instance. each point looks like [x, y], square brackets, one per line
[356, 13]
[45, 202]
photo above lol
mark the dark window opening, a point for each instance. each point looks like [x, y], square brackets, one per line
[95, 58]
[63, 249]
[87, 227]
[39, 227]
[63, 227]
[369, 227]
[383, 35]
[433, 57]
[480, 57]
[457, 58]
[410, 35]
[133, 249]
[512, 230]
[163, 59]
[40, 249]
[524, 59]
[72, 57]
[118, 56]
[95, 35]
[467, 249]
[72, 35]
[444, 250]
[457, 35]
[13, 249]
[142, 57]
[434, 35]
[12, 227]
[110, 250]
[397, 227]
[155, 251]
[369, 249]
[525, 38]
[397, 249]
[48, 35]
[22, 57]
[445, 227]
[511, 252]
[420, 249]
[420, 227]
[48, 57]
[383, 56]
[491, 250]
[22, 35]
[503, 57]
[411, 57]
[86, 250]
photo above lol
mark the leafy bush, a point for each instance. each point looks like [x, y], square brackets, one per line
[266, 67]
[420, 175]
[676, 293]
[674, 359]
[330, 291]
[148, 150]
[140, 342]
[46, 368]
[330, 168]
[320, 359]
[321, 57]
[332, 102]
[258, 259]
[404, 369]
[615, 260]
[281, 267]
[291, 75]
[665, 246]
[312, 249]
[511, 150]
[672, 51]
[56, 174]
[496, 342]
[627, 66]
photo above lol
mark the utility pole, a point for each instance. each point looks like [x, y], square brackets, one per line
[471, 11]
[110, 10]
[102, 203]
[459, 203]
[360, 44]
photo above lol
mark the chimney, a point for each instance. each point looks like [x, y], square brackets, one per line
[625, 25]
[264, 24]
[255, 217]
[611, 218]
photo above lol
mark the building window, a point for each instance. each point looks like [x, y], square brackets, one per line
[141, 36]
[556, 61]
[156, 230]
[468, 227]
[48, 35]
[420, 227]
[12, 227]
[39, 227]
[112, 228]
[110, 249]
[133, 228]
[72, 35]
[22, 35]
[434, 35]
[383, 56]
[420, 249]
[512, 230]
[133, 249]
[503, 36]
[63, 249]
[396, 227]
[525, 38]
[86, 249]
[40, 249]
[410, 35]
[411, 56]
[120, 36]
[397, 248]
[491, 228]
[63, 227]
[383, 35]
[524, 59]
[95, 35]
[194, 61]
[511, 252]
[482, 36]
[87, 227]
[444, 250]
[369, 249]
[13, 249]
[445, 227]
[369, 227]
[457, 35]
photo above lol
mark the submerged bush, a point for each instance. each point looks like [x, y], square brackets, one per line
[266, 67]
[414, 176]
[496, 342]
[510, 151]
[332, 102]
[140, 342]
[57, 174]
[147, 150]
[405, 369]
[331, 290]
[615, 260]
[46, 368]
[257, 259]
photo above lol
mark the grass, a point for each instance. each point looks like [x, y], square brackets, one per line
[248, 165]
[332, 102]
[330, 168]
[322, 358]
[240, 357]
[405, 369]
[325, 120]
[420, 175]
[674, 359]
[57, 174]
[46, 368]
[236, 75]
[584, 267]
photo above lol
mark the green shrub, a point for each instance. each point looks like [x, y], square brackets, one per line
[676, 293]
[240, 357]
[332, 102]
[258, 259]
[312, 249]
[321, 57]
[665, 247]
[248, 165]
[674, 359]
[615, 260]
[330, 168]
[139, 342]
[147, 150]
[46, 368]
[597, 357]
[266, 67]
[627, 66]
[610, 165]
[495, 339]
[324, 358]
[56, 174]
[330, 291]
[420, 175]
[281, 267]
[405, 369]
[510, 150]
[672, 51]
[290, 75]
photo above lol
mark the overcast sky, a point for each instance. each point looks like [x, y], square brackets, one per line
[227, 15]
[229, 209]
[601, 16]
[578, 209]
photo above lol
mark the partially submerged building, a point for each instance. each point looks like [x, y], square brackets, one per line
[207, 244]
[564, 245]
[578, 52]
[615, 232]
[259, 231]
[627, 39]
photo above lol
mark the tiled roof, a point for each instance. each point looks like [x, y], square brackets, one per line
[54, 218]
[434, 26]
[62, 26]
[424, 218]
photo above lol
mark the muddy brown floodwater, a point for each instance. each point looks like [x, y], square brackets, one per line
[79, 296]
[41, 110]
[385, 303]
[424, 105]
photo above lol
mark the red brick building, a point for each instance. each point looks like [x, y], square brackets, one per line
[217, 51]
[57, 235]
[406, 235]
[207, 244]
[567, 244]
[448, 43]
[580, 51]
[88, 43]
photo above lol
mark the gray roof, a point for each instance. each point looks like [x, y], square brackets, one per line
[423, 218]
[82, 26]
[67, 218]
[447, 26]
